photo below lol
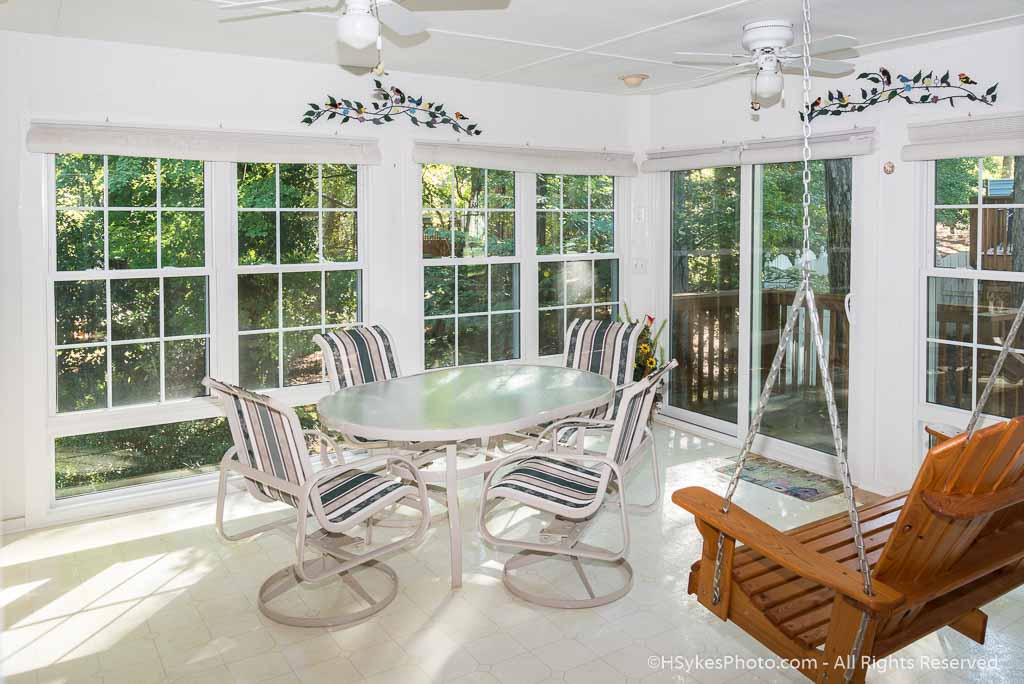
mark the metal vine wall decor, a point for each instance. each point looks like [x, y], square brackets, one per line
[387, 105]
[921, 88]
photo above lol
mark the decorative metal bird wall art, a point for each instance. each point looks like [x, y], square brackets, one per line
[921, 88]
[389, 104]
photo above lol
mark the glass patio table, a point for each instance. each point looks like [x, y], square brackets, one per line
[454, 405]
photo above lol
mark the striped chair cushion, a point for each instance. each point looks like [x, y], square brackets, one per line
[634, 412]
[605, 347]
[352, 491]
[358, 355]
[541, 479]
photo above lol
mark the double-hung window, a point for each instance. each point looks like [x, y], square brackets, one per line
[974, 282]
[577, 267]
[298, 267]
[471, 288]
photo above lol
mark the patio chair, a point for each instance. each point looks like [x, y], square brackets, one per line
[573, 485]
[605, 347]
[270, 453]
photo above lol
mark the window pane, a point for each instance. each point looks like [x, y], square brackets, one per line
[79, 240]
[574, 192]
[80, 311]
[472, 288]
[181, 183]
[299, 185]
[998, 302]
[258, 358]
[574, 232]
[339, 181]
[549, 192]
[182, 239]
[951, 309]
[606, 312]
[185, 306]
[257, 301]
[469, 187]
[79, 180]
[585, 313]
[954, 247]
[257, 237]
[470, 234]
[299, 235]
[135, 373]
[1007, 397]
[437, 234]
[438, 290]
[473, 336]
[81, 379]
[257, 185]
[579, 282]
[131, 182]
[998, 185]
[1001, 237]
[101, 461]
[185, 365]
[504, 287]
[132, 237]
[602, 192]
[550, 283]
[950, 369]
[602, 232]
[504, 337]
[340, 236]
[549, 232]
[439, 342]
[302, 358]
[341, 303]
[550, 329]
[956, 181]
[606, 280]
[135, 308]
[437, 186]
[501, 233]
[300, 299]
[501, 190]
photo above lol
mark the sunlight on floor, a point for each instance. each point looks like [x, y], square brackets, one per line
[157, 596]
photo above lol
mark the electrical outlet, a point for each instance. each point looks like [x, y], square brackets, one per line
[639, 265]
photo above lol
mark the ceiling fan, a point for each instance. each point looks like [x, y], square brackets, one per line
[768, 43]
[359, 24]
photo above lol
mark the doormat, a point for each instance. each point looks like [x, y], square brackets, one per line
[785, 479]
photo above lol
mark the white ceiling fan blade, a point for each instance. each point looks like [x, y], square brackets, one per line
[247, 4]
[835, 43]
[830, 67]
[400, 20]
[711, 58]
[721, 75]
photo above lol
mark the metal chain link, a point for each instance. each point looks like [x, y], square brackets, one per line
[805, 297]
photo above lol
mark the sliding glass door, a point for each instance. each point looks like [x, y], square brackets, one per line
[705, 303]
[797, 412]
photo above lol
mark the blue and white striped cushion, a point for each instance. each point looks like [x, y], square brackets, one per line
[545, 479]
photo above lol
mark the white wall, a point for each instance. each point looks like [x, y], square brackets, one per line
[58, 78]
[888, 223]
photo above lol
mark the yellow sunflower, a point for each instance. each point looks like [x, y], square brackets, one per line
[652, 362]
[645, 348]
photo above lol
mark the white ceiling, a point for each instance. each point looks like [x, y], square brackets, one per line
[573, 44]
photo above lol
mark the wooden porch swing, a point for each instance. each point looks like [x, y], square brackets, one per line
[834, 595]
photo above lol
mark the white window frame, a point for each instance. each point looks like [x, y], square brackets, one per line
[457, 262]
[928, 413]
[221, 241]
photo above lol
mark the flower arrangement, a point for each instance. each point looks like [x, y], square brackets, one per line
[650, 356]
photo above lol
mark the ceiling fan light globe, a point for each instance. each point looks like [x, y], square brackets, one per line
[358, 30]
[767, 85]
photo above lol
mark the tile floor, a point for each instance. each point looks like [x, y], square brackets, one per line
[158, 597]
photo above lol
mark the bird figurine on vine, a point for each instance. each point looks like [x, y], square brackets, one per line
[886, 76]
[967, 80]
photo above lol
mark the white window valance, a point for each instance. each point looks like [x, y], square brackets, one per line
[526, 159]
[202, 144]
[834, 145]
[969, 136]
[691, 158]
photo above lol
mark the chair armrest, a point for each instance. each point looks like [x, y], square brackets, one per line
[785, 550]
[320, 434]
[940, 437]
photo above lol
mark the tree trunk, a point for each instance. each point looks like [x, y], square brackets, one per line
[838, 186]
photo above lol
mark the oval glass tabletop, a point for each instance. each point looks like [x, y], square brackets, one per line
[471, 402]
